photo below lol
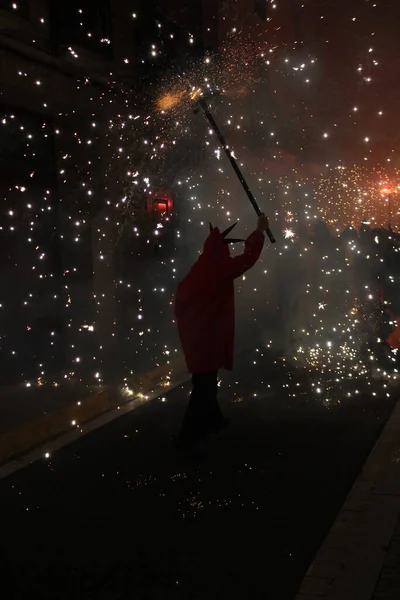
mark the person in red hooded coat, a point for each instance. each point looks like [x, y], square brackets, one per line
[205, 316]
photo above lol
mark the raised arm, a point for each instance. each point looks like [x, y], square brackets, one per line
[253, 247]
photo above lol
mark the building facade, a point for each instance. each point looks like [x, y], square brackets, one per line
[64, 67]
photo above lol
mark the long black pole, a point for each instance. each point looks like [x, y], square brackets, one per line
[238, 172]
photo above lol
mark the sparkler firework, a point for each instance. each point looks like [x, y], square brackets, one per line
[314, 150]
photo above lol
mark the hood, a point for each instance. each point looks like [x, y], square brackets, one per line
[215, 246]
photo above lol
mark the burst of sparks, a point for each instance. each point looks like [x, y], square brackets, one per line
[356, 183]
[289, 234]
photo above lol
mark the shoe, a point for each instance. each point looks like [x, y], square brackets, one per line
[186, 442]
[188, 449]
[218, 428]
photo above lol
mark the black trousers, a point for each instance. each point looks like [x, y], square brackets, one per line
[203, 414]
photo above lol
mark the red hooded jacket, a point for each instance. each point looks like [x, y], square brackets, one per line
[204, 303]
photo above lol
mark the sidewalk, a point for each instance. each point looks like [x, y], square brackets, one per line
[360, 557]
[30, 416]
[20, 403]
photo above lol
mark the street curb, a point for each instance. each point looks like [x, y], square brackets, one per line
[350, 559]
[36, 432]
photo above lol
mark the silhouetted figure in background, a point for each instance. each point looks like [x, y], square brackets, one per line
[377, 271]
[315, 245]
[348, 245]
[204, 309]
[388, 277]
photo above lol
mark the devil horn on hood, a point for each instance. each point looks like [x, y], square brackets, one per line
[225, 233]
[211, 227]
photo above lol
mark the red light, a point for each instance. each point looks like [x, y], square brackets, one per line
[160, 202]
[161, 206]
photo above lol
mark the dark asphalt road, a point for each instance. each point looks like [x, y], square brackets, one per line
[119, 514]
